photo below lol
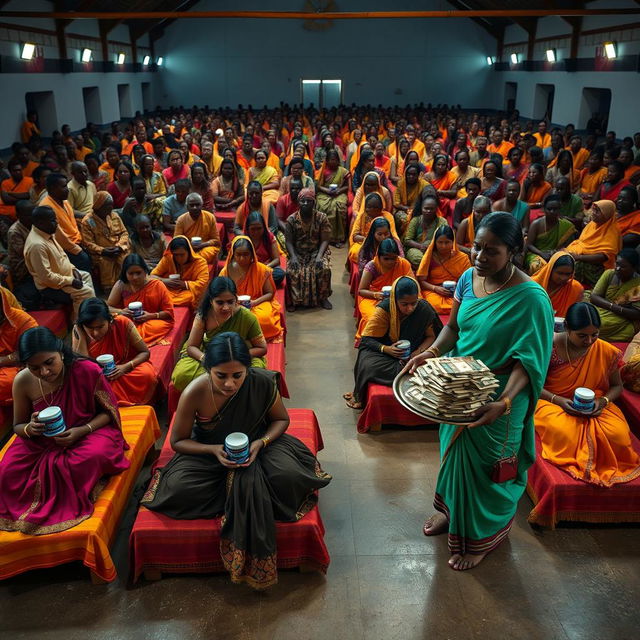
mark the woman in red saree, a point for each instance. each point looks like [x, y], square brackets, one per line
[382, 271]
[255, 279]
[557, 279]
[135, 285]
[264, 242]
[97, 333]
[441, 261]
[13, 323]
[177, 170]
[49, 484]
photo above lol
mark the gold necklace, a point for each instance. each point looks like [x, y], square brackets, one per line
[566, 346]
[44, 397]
[219, 413]
[504, 284]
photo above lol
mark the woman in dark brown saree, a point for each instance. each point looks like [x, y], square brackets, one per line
[277, 482]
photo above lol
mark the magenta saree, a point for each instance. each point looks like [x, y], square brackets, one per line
[47, 488]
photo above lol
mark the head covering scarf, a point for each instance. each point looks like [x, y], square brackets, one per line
[99, 199]
[394, 313]
[571, 292]
[307, 194]
[459, 260]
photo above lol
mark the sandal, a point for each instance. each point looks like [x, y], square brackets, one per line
[354, 404]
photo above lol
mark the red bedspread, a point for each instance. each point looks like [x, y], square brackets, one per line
[558, 497]
[161, 544]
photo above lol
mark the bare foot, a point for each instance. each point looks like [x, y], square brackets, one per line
[348, 395]
[436, 525]
[464, 563]
[325, 304]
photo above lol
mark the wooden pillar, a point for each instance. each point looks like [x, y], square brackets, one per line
[62, 41]
[576, 24]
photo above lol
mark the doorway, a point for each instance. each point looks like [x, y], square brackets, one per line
[321, 94]
[124, 101]
[595, 101]
[44, 103]
[510, 95]
[92, 107]
[543, 102]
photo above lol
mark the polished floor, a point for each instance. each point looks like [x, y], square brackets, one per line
[386, 580]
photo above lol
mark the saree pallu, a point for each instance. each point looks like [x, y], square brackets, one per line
[16, 322]
[361, 227]
[480, 511]
[136, 386]
[242, 322]
[367, 306]
[155, 298]
[281, 484]
[334, 207]
[536, 194]
[549, 241]
[615, 328]
[562, 298]
[629, 224]
[47, 488]
[264, 177]
[595, 450]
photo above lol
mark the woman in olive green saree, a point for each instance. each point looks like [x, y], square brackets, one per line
[503, 318]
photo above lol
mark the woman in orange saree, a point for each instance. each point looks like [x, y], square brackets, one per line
[442, 261]
[382, 271]
[97, 333]
[255, 280]
[598, 245]
[534, 187]
[557, 279]
[372, 210]
[371, 184]
[13, 323]
[191, 270]
[135, 285]
[594, 447]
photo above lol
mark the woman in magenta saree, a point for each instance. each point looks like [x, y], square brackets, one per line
[49, 484]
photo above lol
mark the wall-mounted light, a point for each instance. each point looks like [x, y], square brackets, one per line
[515, 58]
[160, 61]
[610, 50]
[120, 58]
[86, 55]
[146, 60]
[550, 55]
[28, 50]
[491, 60]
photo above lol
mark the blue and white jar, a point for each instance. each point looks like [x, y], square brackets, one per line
[53, 421]
[584, 400]
[107, 362]
[236, 446]
[405, 345]
[136, 309]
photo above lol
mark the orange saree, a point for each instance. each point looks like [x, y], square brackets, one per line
[561, 298]
[252, 284]
[361, 227]
[536, 194]
[155, 298]
[437, 272]
[13, 323]
[366, 306]
[596, 450]
[629, 223]
[195, 273]
[138, 385]
[242, 213]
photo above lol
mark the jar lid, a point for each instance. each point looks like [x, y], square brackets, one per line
[585, 394]
[50, 413]
[135, 305]
[236, 440]
[105, 358]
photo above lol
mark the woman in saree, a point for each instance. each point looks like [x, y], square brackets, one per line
[192, 270]
[557, 279]
[547, 234]
[278, 482]
[380, 272]
[512, 204]
[364, 166]
[219, 312]
[534, 187]
[255, 202]
[425, 221]
[401, 316]
[97, 332]
[265, 244]
[563, 168]
[49, 484]
[371, 184]
[593, 447]
[479, 485]
[616, 296]
[628, 216]
[135, 285]
[13, 323]
[442, 261]
[379, 230]
[406, 195]
[361, 225]
[177, 169]
[226, 188]
[255, 279]
[120, 188]
[442, 179]
[598, 245]
[515, 169]
[148, 243]
[493, 184]
[396, 170]
[200, 184]
[267, 176]
[156, 187]
[331, 195]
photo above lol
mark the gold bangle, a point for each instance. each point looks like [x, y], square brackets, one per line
[553, 397]
[381, 348]
[606, 400]
[507, 402]
[157, 316]
[265, 441]
[26, 432]
[133, 366]
[90, 427]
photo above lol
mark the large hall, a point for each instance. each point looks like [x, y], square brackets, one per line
[319, 319]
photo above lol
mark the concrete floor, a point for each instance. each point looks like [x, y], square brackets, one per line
[386, 580]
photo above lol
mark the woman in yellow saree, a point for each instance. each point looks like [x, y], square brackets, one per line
[372, 210]
[371, 184]
[594, 447]
[442, 261]
[331, 195]
[267, 176]
[254, 279]
[382, 271]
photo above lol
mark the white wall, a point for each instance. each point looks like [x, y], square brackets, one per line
[226, 62]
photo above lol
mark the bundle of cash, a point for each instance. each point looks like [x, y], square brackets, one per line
[450, 388]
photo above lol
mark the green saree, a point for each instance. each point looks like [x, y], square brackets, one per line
[334, 207]
[614, 327]
[480, 511]
[550, 241]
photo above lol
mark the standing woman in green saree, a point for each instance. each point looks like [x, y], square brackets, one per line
[502, 317]
[332, 186]
[278, 481]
